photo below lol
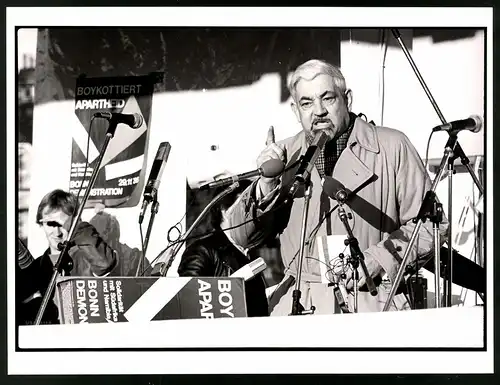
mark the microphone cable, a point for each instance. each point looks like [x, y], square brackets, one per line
[414, 271]
[175, 226]
[208, 233]
[204, 235]
[86, 166]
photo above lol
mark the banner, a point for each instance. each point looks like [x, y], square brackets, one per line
[120, 179]
[130, 299]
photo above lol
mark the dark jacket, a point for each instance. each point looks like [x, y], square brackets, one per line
[109, 228]
[216, 256]
[90, 256]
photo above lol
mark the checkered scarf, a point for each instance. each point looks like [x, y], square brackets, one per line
[331, 152]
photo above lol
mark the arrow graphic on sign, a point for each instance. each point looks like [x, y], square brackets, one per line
[81, 137]
[124, 135]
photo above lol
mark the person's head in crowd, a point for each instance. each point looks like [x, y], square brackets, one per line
[320, 99]
[107, 225]
[55, 215]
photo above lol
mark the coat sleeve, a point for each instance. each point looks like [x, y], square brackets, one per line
[100, 256]
[129, 258]
[196, 261]
[252, 221]
[27, 281]
[412, 183]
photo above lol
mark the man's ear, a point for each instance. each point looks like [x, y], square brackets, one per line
[348, 97]
[295, 110]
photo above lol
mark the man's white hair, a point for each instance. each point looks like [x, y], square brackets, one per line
[312, 68]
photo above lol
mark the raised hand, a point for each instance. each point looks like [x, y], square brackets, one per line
[271, 151]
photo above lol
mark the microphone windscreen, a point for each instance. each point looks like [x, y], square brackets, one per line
[478, 123]
[331, 186]
[251, 269]
[138, 120]
[272, 168]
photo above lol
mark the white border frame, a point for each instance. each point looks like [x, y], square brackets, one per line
[232, 362]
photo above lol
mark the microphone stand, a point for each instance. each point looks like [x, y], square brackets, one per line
[162, 269]
[154, 210]
[357, 257]
[303, 178]
[457, 152]
[297, 308]
[64, 246]
[430, 209]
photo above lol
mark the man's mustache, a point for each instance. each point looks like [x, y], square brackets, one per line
[315, 121]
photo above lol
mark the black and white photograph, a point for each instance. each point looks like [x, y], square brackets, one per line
[300, 190]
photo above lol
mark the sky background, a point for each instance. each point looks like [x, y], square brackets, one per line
[26, 40]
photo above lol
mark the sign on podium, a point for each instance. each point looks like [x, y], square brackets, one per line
[144, 299]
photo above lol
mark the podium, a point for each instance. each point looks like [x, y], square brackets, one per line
[145, 299]
[456, 328]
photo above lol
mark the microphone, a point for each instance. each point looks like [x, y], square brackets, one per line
[251, 269]
[335, 190]
[154, 180]
[473, 124]
[131, 120]
[269, 169]
[307, 163]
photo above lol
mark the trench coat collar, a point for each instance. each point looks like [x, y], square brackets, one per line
[350, 169]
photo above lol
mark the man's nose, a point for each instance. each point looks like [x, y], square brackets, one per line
[319, 109]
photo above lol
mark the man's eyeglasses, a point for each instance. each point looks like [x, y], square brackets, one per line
[52, 224]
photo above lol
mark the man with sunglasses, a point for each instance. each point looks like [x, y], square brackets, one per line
[88, 255]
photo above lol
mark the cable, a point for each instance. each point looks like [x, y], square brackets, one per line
[208, 233]
[427, 153]
[478, 228]
[75, 210]
[416, 268]
[178, 225]
[476, 217]
[179, 232]
[423, 196]
[204, 235]
[143, 257]
[411, 294]
[315, 230]
[331, 268]
[311, 234]
[384, 46]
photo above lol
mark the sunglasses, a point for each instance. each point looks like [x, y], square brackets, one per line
[52, 224]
